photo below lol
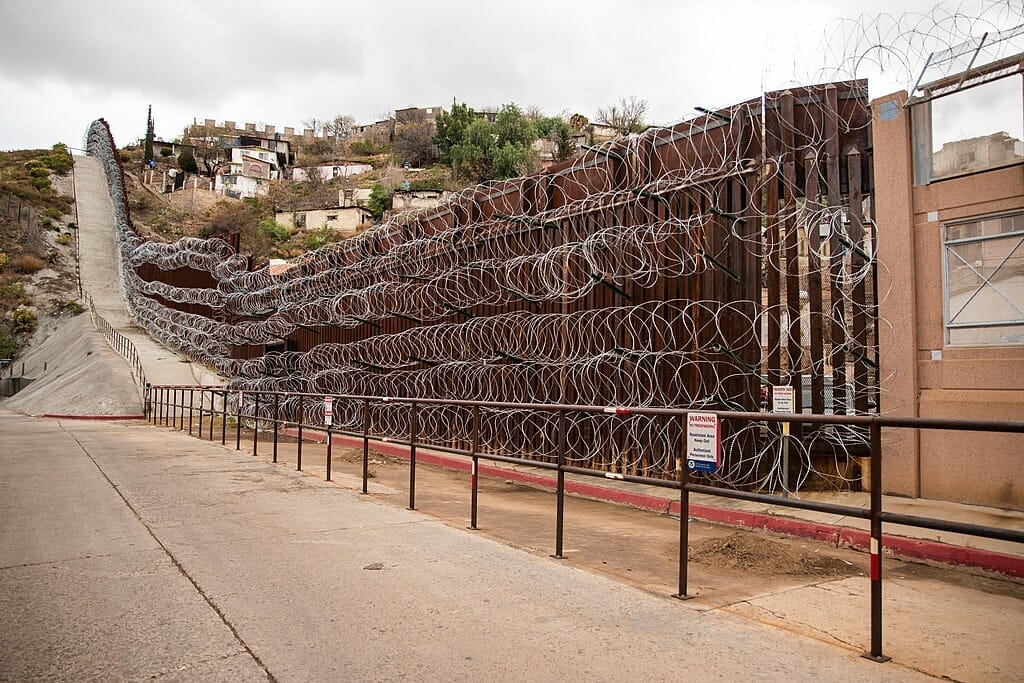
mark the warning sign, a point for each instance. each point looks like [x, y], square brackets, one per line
[703, 442]
[782, 399]
[328, 410]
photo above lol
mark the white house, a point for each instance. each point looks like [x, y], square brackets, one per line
[333, 169]
[248, 173]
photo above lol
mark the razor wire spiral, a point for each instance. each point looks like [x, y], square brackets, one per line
[671, 353]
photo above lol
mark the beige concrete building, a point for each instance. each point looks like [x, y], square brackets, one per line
[949, 193]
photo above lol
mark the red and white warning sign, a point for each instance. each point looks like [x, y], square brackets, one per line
[703, 442]
[328, 410]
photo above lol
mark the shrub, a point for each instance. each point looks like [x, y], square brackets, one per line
[274, 230]
[65, 239]
[27, 263]
[13, 295]
[72, 226]
[49, 225]
[71, 308]
[166, 151]
[53, 213]
[23, 319]
[3, 260]
[318, 238]
[125, 155]
[41, 184]
[9, 345]
[39, 172]
[365, 148]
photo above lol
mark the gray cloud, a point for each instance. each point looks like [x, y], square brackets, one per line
[65, 62]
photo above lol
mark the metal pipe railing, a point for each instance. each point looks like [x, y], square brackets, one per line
[874, 513]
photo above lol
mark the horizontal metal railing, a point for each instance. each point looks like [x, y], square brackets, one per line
[120, 343]
[166, 404]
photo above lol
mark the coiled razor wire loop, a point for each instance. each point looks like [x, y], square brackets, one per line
[624, 216]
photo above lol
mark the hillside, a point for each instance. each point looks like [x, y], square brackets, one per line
[38, 264]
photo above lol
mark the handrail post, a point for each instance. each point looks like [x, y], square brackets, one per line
[473, 477]
[180, 406]
[223, 418]
[213, 412]
[560, 491]
[328, 425]
[366, 444]
[256, 423]
[277, 415]
[166, 406]
[683, 475]
[413, 428]
[238, 422]
[191, 394]
[298, 459]
[199, 429]
[146, 409]
[876, 544]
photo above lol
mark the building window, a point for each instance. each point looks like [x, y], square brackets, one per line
[332, 217]
[983, 263]
[971, 130]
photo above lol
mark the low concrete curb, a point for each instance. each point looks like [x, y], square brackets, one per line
[94, 417]
[899, 546]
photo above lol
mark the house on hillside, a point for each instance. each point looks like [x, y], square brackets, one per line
[248, 173]
[407, 200]
[333, 169]
[347, 220]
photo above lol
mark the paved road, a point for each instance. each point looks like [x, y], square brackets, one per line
[121, 557]
[99, 264]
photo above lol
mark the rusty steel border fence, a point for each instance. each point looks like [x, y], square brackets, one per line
[167, 405]
[760, 202]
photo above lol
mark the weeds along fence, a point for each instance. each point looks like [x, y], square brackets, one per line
[371, 419]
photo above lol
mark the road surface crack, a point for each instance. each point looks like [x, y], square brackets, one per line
[174, 560]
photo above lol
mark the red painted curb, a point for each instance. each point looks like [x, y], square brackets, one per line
[94, 417]
[900, 546]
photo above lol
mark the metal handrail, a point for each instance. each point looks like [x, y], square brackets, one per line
[166, 404]
[120, 343]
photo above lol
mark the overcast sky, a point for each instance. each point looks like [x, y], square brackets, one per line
[64, 63]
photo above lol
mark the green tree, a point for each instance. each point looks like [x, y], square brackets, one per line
[187, 161]
[380, 200]
[451, 129]
[148, 155]
[512, 127]
[565, 145]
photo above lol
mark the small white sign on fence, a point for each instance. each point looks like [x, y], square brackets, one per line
[328, 410]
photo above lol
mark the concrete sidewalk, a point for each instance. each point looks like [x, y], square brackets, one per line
[907, 542]
[99, 264]
[132, 552]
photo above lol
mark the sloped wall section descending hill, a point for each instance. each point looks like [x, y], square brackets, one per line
[685, 267]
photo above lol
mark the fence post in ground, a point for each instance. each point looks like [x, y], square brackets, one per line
[876, 544]
[328, 450]
[277, 415]
[238, 422]
[413, 429]
[255, 423]
[366, 444]
[146, 408]
[224, 418]
[683, 476]
[298, 456]
[199, 429]
[560, 490]
[213, 411]
[473, 477]
[191, 394]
